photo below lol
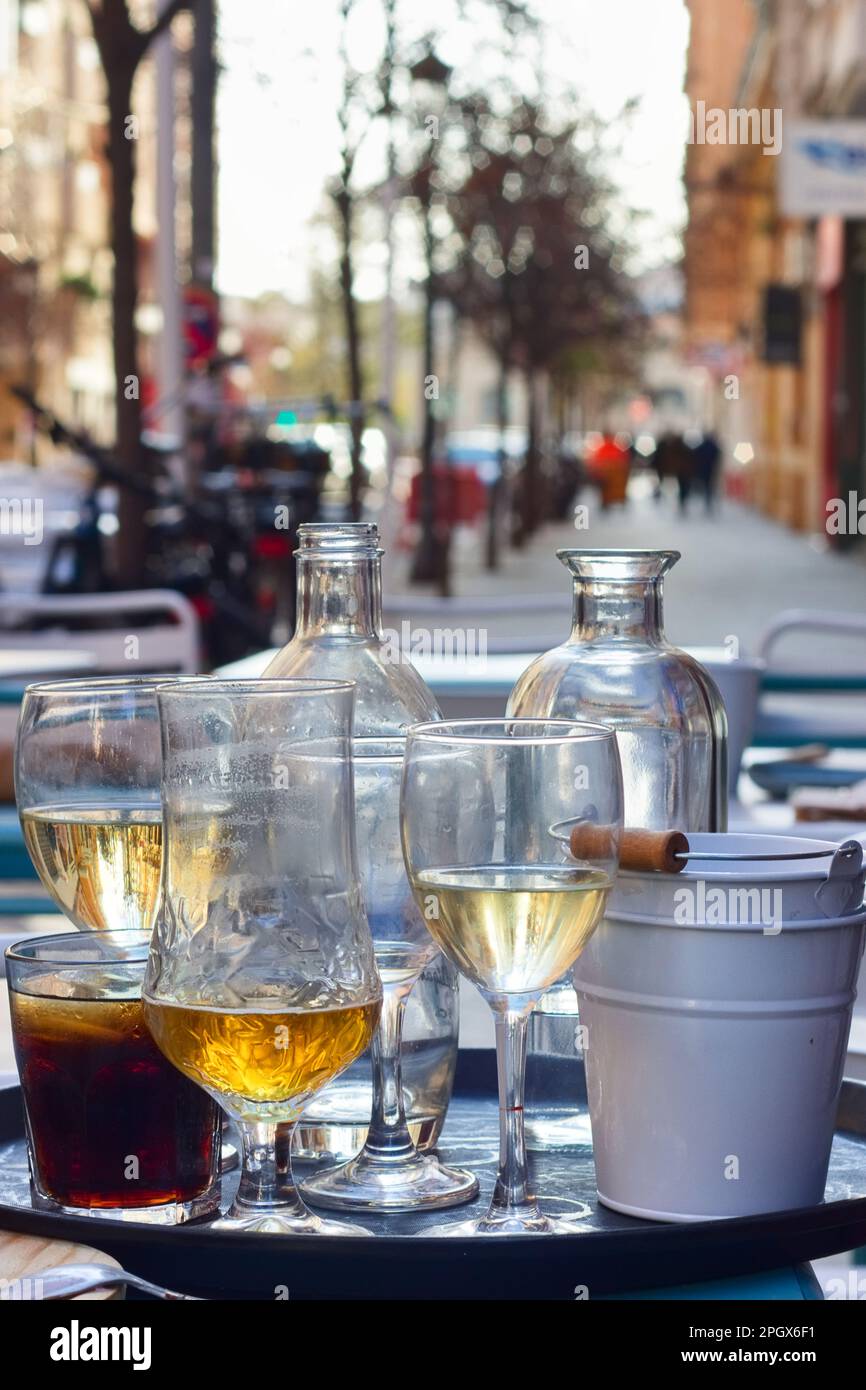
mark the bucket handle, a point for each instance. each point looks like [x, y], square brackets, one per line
[842, 889]
[669, 852]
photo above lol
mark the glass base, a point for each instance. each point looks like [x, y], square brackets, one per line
[275, 1224]
[417, 1183]
[534, 1224]
[161, 1214]
[326, 1140]
[518, 1221]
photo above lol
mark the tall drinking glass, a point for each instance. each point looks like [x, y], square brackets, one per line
[261, 984]
[87, 772]
[389, 1174]
[481, 805]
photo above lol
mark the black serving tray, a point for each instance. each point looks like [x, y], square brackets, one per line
[611, 1253]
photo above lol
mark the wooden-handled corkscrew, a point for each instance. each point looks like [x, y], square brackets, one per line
[668, 851]
[650, 851]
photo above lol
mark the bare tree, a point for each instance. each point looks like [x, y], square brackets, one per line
[122, 46]
[500, 23]
[366, 99]
[539, 273]
[351, 135]
[430, 78]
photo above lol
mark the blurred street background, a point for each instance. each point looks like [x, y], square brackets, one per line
[502, 276]
[522, 274]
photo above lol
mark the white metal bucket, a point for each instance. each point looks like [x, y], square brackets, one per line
[715, 1049]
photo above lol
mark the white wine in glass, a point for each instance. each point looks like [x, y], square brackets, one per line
[514, 929]
[87, 778]
[482, 803]
[102, 865]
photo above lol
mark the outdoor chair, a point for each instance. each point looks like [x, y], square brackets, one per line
[103, 624]
[795, 706]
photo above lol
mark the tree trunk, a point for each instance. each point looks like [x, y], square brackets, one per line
[431, 560]
[355, 375]
[496, 491]
[529, 481]
[132, 548]
[203, 182]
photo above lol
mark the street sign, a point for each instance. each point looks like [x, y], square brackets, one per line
[823, 168]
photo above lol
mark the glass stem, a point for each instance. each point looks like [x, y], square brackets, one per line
[511, 1195]
[388, 1138]
[266, 1176]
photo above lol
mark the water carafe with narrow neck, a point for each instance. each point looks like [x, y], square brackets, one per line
[339, 635]
[339, 632]
[617, 668]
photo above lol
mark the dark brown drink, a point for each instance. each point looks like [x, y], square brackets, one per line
[110, 1122]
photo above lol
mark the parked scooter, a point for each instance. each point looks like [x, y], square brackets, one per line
[210, 549]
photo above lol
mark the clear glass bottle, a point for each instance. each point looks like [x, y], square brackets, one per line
[617, 668]
[339, 631]
[339, 634]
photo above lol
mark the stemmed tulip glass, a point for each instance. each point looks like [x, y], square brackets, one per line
[482, 803]
[261, 984]
[389, 1174]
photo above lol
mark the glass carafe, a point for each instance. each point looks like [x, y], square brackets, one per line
[339, 634]
[617, 668]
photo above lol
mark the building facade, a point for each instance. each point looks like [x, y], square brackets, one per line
[55, 258]
[776, 296]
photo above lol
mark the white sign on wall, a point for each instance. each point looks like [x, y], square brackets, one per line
[823, 169]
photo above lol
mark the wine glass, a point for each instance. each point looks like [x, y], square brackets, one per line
[261, 984]
[87, 772]
[482, 803]
[88, 763]
[389, 1174]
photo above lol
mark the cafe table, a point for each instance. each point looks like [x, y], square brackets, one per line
[23, 1256]
[786, 1283]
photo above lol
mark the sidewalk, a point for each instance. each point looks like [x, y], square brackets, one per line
[738, 571]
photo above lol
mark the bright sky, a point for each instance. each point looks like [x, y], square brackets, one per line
[278, 139]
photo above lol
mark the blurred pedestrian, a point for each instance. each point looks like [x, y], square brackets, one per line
[608, 466]
[707, 457]
[683, 468]
[674, 459]
[661, 462]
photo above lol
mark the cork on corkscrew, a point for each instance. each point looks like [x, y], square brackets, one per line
[650, 851]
